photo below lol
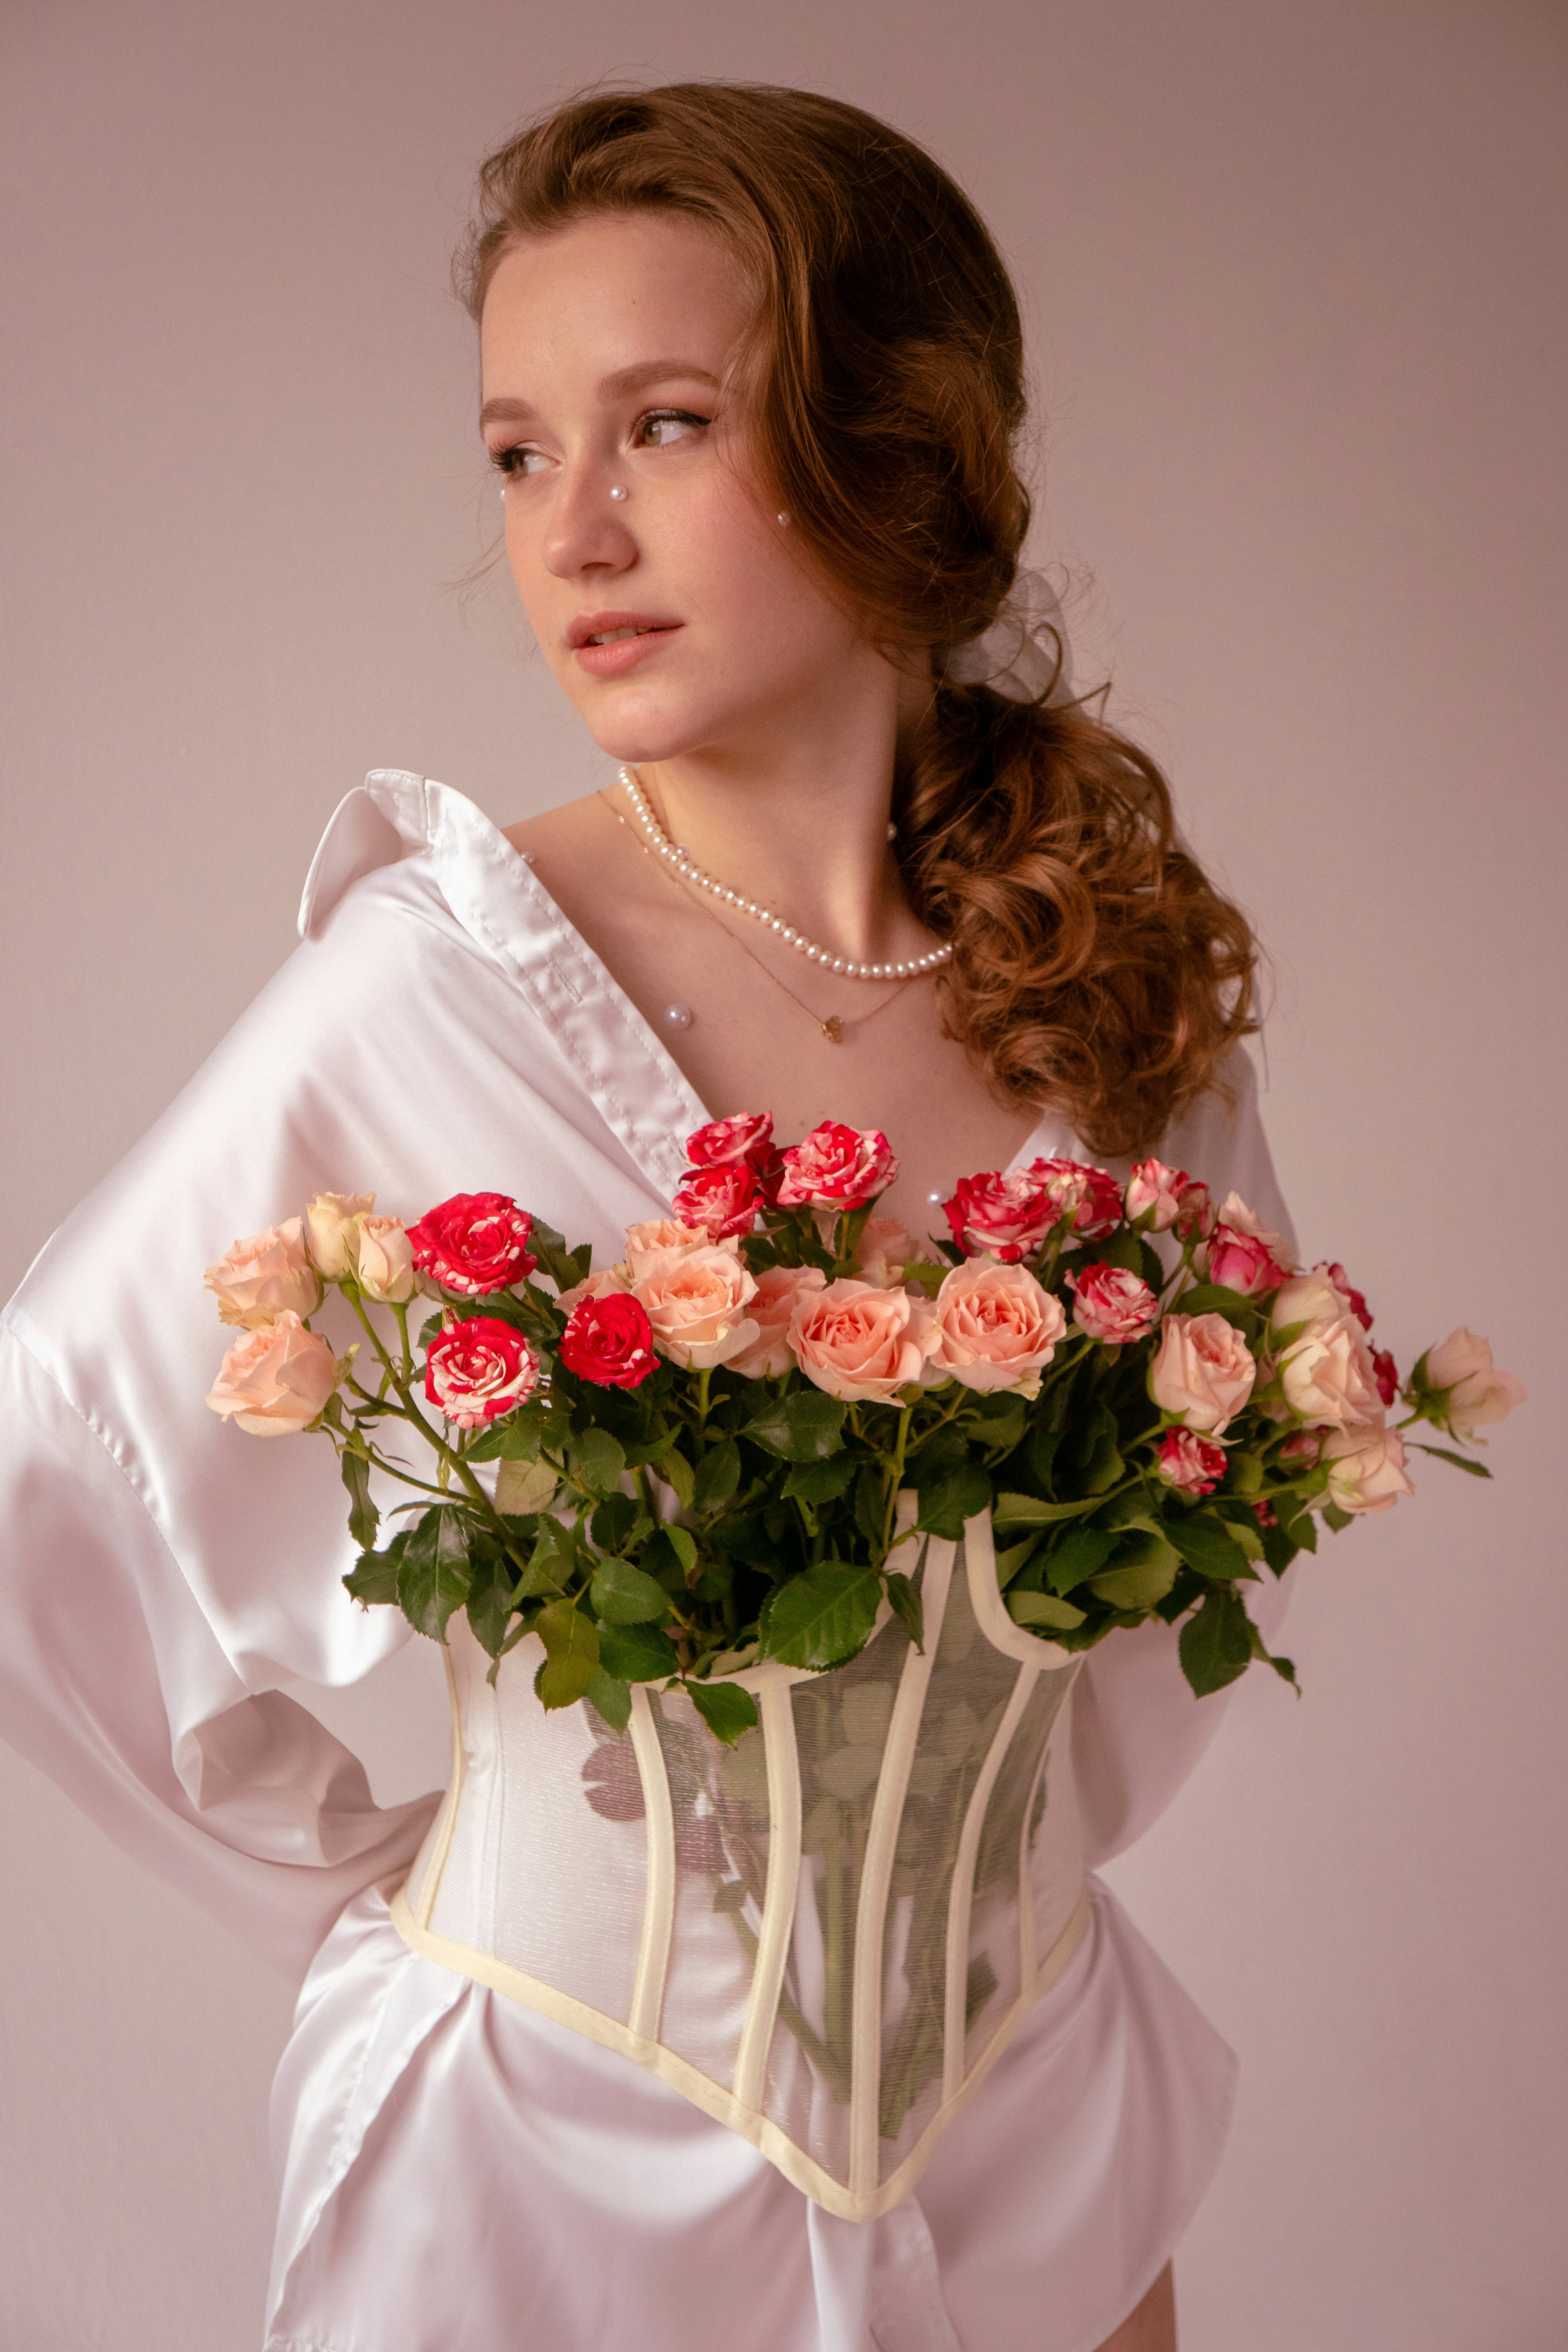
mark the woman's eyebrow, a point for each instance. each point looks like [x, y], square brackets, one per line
[613, 387]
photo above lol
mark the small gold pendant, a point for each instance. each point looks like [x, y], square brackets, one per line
[833, 1030]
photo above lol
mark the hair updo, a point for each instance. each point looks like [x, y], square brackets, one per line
[1095, 968]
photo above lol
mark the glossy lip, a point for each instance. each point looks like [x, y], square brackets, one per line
[609, 661]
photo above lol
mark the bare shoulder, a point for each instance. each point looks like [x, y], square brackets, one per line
[565, 832]
[593, 869]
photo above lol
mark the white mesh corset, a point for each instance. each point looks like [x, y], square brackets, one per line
[824, 1936]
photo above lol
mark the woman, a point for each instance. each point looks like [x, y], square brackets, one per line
[751, 383]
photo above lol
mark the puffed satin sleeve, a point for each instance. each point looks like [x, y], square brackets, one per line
[1138, 1731]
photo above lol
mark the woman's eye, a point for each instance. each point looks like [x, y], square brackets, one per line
[519, 460]
[664, 427]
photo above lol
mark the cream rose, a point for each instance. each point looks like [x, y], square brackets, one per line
[1479, 1393]
[1366, 1467]
[384, 1259]
[1328, 1375]
[1203, 1371]
[329, 1220]
[885, 1249]
[656, 1238]
[1311, 1298]
[779, 1291]
[264, 1276]
[862, 1343]
[275, 1379]
[696, 1300]
[996, 1328]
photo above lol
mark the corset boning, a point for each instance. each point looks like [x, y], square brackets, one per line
[824, 1936]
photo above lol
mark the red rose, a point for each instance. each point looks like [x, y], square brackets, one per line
[1193, 1464]
[1113, 1305]
[1093, 1198]
[476, 1242]
[1358, 1305]
[747, 1136]
[1243, 1262]
[836, 1167]
[723, 1199]
[609, 1340]
[479, 1369]
[1384, 1370]
[1008, 1216]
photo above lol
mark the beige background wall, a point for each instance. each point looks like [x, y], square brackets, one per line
[1295, 284]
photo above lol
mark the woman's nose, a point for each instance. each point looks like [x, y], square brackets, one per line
[590, 525]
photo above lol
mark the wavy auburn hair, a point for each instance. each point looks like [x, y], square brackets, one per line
[1094, 966]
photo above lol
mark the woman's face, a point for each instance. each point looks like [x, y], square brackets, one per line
[677, 617]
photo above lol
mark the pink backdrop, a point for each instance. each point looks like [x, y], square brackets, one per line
[1294, 283]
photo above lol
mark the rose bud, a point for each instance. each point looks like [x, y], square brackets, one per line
[1243, 1262]
[1092, 1198]
[836, 1167]
[609, 1341]
[474, 1242]
[329, 1220]
[478, 1369]
[723, 1200]
[384, 1259]
[1386, 1372]
[1466, 1388]
[1265, 1514]
[1113, 1305]
[1154, 1195]
[275, 1381]
[747, 1136]
[264, 1276]
[1352, 1297]
[1193, 1464]
[1000, 1216]
[1304, 1446]
[1366, 1467]
[1203, 1371]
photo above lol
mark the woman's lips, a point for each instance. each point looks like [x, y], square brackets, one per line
[625, 650]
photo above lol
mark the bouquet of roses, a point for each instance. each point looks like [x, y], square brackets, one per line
[689, 1461]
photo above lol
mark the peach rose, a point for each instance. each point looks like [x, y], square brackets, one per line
[384, 1259]
[264, 1276]
[603, 1285]
[275, 1379]
[779, 1291]
[1328, 1375]
[1203, 1371]
[657, 1237]
[996, 1328]
[1478, 1391]
[886, 1248]
[696, 1300]
[1235, 1213]
[1366, 1467]
[862, 1343]
[329, 1220]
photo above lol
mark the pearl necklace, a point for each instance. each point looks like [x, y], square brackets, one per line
[660, 842]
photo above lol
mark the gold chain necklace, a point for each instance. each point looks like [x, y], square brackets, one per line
[835, 1028]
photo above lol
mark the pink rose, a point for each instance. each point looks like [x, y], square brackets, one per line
[1193, 1464]
[836, 1167]
[1352, 1297]
[772, 1306]
[383, 1258]
[1478, 1393]
[1093, 1198]
[1203, 1371]
[1157, 1196]
[1386, 1372]
[723, 1199]
[1328, 1375]
[478, 1369]
[330, 1221]
[1244, 1262]
[1003, 1217]
[860, 1343]
[656, 1236]
[697, 1301]
[264, 1276]
[1235, 1213]
[884, 1248]
[996, 1328]
[1366, 1467]
[723, 1142]
[275, 1379]
[1113, 1305]
[474, 1243]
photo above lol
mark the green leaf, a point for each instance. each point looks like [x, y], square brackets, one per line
[1044, 1609]
[490, 1604]
[614, 1519]
[1028, 1511]
[1216, 1642]
[553, 1563]
[522, 1488]
[1441, 1453]
[1336, 1519]
[870, 1501]
[363, 1518]
[610, 1698]
[1044, 1446]
[517, 1438]
[638, 1654]
[373, 1580]
[572, 1654]
[999, 1425]
[671, 1552]
[1082, 1553]
[822, 1482]
[1241, 1524]
[927, 1272]
[1207, 1545]
[434, 1576]
[1138, 1584]
[1284, 1667]
[1009, 1562]
[550, 1248]
[822, 1617]
[727, 1712]
[1213, 1298]
[623, 1595]
[678, 1474]
[957, 1494]
[804, 1426]
[906, 1602]
[598, 1459]
[718, 1475]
